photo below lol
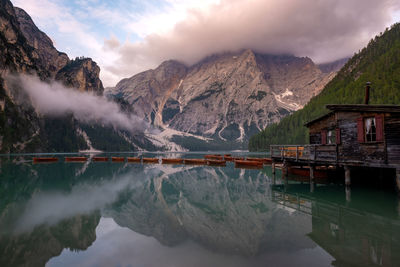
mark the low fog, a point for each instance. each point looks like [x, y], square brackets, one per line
[323, 30]
[54, 99]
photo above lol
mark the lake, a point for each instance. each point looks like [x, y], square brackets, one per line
[129, 214]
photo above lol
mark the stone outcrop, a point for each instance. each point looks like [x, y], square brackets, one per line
[82, 74]
[52, 60]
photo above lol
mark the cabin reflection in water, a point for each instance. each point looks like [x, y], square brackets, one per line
[352, 236]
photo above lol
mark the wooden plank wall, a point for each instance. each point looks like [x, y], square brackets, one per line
[392, 136]
[350, 149]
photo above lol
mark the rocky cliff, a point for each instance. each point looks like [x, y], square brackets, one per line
[226, 97]
[27, 50]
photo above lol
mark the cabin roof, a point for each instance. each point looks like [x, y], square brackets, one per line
[365, 108]
[319, 118]
[356, 108]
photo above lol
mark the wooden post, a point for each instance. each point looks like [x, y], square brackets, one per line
[398, 180]
[273, 172]
[312, 168]
[348, 193]
[347, 177]
[285, 172]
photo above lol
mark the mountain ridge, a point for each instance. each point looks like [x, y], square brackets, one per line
[226, 96]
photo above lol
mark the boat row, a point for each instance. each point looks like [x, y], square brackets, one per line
[212, 160]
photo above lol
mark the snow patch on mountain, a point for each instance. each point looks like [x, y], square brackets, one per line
[280, 98]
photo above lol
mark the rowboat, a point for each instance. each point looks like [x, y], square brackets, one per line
[43, 160]
[306, 172]
[102, 159]
[117, 159]
[195, 161]
[237, 158]
[263, 160]
[213, 157]
[248, 163]
[171, 161]
[216, 162]
[75, 159]
[228, 157]
[133, 159]
[150, 160]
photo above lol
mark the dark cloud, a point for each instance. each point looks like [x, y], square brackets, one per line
[324, 30]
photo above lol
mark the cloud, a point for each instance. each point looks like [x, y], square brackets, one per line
[53, 99]
[323, 30]
[139, 35]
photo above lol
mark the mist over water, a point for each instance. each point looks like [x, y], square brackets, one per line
[54, 99]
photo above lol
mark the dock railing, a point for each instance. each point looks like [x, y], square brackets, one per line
[304, 152]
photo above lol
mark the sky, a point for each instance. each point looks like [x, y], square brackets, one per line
[126, 37]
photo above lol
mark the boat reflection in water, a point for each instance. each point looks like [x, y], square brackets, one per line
[105, 214]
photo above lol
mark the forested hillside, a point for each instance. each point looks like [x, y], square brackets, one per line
[378, 63]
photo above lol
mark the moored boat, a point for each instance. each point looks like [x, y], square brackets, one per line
[248, 163]
[319, 173]
[117, 159]
[133, 159]
[216, 162]
[44, 160]
[213, 157]
[171, 161]
[195, 161]
[75, 159]
[228, 157]
[150, 160]
[100, 159]
[263, 160]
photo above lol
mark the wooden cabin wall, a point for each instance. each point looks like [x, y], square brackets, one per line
[316, 128]
[392, 136]
[350, 149]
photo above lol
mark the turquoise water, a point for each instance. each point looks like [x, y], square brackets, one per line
[121, 214]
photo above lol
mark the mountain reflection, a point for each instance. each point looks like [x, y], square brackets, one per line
[46, 208]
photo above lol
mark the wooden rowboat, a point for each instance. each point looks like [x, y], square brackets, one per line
[75, 159]
[216, 162]
[213, 157]
[150, 160]
[237, 158]
[306, 172]
[134, 159]
[44, 160]
[253, 163]
[171, 161]
[228, 158]
[117, 159]
[248, 164]
[195, 161]
[102, 159]
[263, 160]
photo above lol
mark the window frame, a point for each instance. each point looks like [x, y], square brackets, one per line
[370, 136]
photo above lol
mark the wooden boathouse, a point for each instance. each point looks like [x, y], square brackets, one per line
[348, 137]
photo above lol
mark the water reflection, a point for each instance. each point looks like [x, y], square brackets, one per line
[232, 217]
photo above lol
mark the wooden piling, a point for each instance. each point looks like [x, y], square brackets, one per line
[347, 176]
[398, 180]
[312, 178]
[348, 193]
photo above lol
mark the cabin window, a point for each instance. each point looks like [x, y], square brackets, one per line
[370, 129]
[331, 137]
